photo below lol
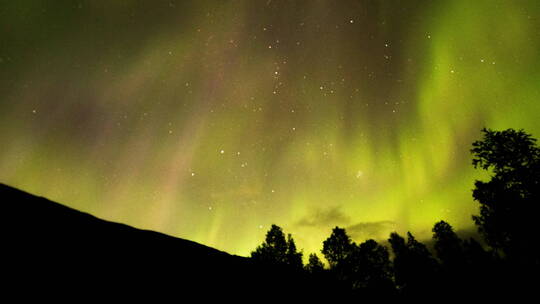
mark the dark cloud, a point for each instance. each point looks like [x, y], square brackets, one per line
[325, 217]
[371, 230]
[334, 216]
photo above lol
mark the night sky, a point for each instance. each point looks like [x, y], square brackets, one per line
[212, 120]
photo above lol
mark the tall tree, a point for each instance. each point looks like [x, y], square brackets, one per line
[509, 201]
[293, 258]
[399, 247]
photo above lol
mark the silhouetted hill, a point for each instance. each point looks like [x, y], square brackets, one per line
[58, 249]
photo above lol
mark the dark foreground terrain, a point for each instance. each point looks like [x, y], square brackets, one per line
[54, 250]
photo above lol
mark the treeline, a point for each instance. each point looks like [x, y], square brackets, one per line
[506, 266]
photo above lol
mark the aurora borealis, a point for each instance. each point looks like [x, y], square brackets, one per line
[212, 120]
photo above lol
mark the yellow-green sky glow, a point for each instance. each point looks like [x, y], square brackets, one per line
[211, 120]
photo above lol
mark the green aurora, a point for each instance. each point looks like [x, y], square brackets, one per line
[211, 120]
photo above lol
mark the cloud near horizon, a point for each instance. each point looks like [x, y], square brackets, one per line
[325, 217]
[333, 216]
[379, 230]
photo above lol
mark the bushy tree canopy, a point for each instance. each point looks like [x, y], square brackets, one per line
[278, 250]
[338, 247]
[314, 264]
[509, 201]
[372, 267]
[414, 266]
[448, 246]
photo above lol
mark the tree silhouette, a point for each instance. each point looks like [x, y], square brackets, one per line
[399, 248]
[456, 273]
[364, 267]
[338, 247]
[371, 267]
[448, 246]
[509, 201]
[314, 265]
[476, 254]
[481, 272]
[278, 250]
[414, 266]
[293, 258]
[420, 258]
[509, 205]
[274, 249]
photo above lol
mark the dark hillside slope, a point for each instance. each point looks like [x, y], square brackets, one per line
[57, 248]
